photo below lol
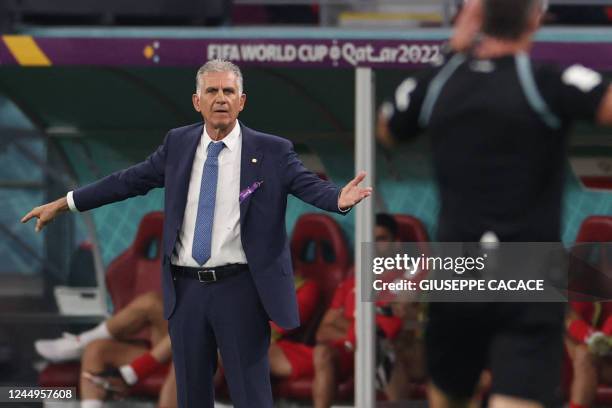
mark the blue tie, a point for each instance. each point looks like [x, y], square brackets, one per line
[202, 237]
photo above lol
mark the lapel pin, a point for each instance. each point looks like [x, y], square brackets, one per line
[253, 160]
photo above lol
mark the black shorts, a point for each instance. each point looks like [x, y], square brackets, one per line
[521, 343]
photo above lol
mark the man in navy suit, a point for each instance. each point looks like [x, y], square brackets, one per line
[226, 266]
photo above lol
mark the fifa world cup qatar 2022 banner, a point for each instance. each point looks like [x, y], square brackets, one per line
[276, 51]
[328, 53]
[317, 53]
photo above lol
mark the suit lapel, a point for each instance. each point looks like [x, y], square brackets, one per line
[184, 167]
[250, 167]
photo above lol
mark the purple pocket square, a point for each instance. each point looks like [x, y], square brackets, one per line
[249, 190]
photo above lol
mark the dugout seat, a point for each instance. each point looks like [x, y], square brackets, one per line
[320, 252]
[135, 272]
[410, 229]
[597, 228]
[314, 227]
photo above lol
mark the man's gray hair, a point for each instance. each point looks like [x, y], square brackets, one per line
[219, 65]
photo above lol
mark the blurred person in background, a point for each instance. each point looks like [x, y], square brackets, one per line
[334, 354]
[589, 346]
[498, 128]
[111, 360]
[404, 358]
[289, 358]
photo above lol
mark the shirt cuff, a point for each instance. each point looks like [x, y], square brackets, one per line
[70, 200]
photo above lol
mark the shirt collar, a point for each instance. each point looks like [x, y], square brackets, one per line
[231, 140]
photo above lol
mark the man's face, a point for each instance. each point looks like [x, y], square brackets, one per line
[218, 99]
[385, 241]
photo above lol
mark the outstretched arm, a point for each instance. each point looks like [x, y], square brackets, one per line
[323, 194]
[135, 180]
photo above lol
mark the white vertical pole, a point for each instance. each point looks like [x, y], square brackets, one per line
[98, 264]
[365, 148]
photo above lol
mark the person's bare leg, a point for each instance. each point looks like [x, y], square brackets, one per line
[484, 386]
[584, 383]
[145, 310]
[219, 376]
[503, 401]
[409, 367]
[279, 365]
[147, 363]
[399, 387]
[162, 351]
[324, 386]
[167, 395]
[438, 399]
[101, 354]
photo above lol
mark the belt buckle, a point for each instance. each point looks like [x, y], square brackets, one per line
[202, 276]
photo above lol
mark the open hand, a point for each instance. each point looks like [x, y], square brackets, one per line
[353, 194]
[46, 213]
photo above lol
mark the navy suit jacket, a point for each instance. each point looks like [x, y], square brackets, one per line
[262, 214]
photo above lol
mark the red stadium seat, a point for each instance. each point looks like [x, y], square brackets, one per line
[320, 252]
[135, 272]
[410, 229]
[595, 228]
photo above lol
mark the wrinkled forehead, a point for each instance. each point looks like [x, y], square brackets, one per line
[219, 80]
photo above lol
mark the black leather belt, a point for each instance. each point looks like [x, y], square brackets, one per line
[208, 275]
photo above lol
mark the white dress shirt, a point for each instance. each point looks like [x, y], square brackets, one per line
[226, 247]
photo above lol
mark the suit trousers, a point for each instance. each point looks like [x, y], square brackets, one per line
[227, 316]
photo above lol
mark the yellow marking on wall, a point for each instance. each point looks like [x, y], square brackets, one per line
[25, 50]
